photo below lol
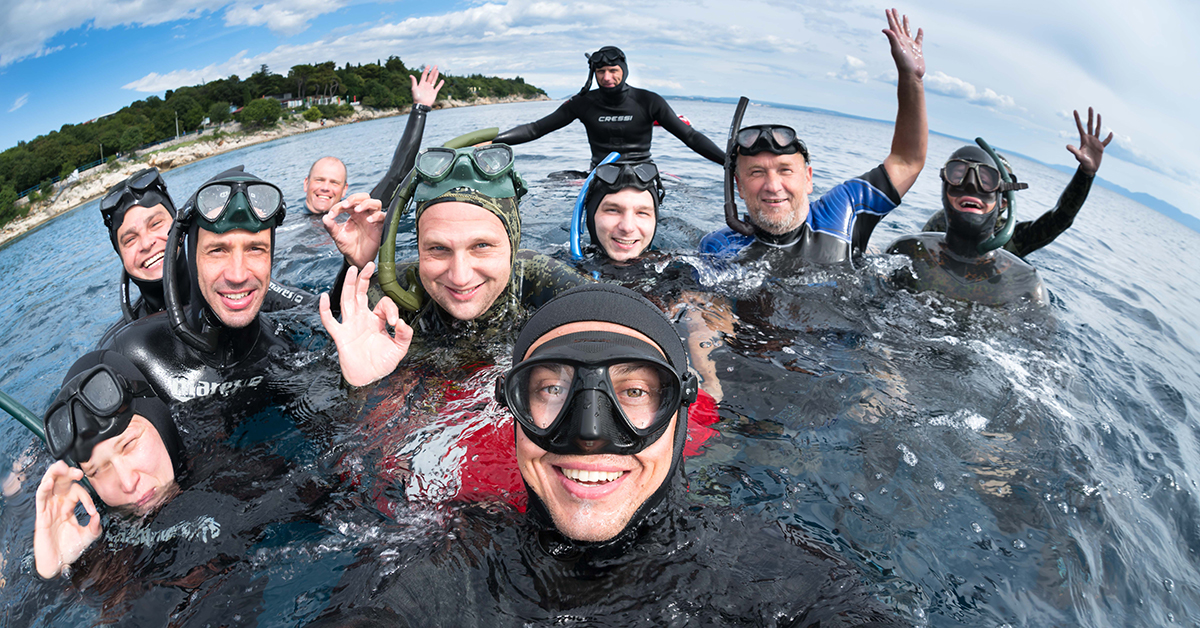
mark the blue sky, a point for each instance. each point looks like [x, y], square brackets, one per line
[1011, 72]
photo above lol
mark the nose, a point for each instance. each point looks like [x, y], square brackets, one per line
[127, 478]
[460, 272]
[235, 271]
[774, 182]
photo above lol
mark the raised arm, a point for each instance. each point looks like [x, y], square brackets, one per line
[366, 351]
[58, 539]
[910, 140]
[424, 92]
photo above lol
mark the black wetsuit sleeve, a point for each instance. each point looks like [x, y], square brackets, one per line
[281, 297]
[404, 157]
[561, 117]
[695, 140]
[864, 222]
[1030, 236]
[543, 277]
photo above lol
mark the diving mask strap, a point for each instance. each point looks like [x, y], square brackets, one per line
[413, 298]
[579, 217]
[1004, 234]
[731, 217]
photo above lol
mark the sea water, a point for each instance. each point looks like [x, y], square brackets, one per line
[980, 466]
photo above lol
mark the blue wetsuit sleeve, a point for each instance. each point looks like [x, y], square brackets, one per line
[561, 117]
[724, 243]
[404, 157]
[695, 140]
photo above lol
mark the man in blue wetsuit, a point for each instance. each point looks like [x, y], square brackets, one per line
[617, 117]
[774, 177]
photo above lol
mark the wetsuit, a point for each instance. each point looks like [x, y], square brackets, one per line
[404, 157]
[1031, 235]
[996, 278]
[620, 120]
[838, 225]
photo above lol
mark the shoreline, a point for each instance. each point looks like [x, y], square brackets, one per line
[93, 183]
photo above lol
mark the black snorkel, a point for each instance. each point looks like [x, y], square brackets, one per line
[414, 297]
[1005, 232]
[731, 215]
[206, 341]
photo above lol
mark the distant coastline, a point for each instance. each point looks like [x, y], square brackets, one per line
[91, 184]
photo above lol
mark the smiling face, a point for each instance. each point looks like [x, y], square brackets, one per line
[465, 257]
[609, 76]
[234, 271]
[776, 189]
[968, 198]
[593, 497]
[142, 239]
[132, 469]
[325, 184]
[625, 223]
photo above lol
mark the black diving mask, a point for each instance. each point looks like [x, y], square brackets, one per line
[595, 393]
[94, 406]
[605, 57]
[770, 138]
[131, 193]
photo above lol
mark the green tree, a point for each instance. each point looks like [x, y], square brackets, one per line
[8, 200]
[218, 113]
[378, 96]
[131, 139]
[261, 112]
[312, 114]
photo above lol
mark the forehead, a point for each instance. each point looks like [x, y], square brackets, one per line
[136, 215]
[628, 198]
[579, 326]
[770, 161]
[457, 217]
[328, 168]
[103, 451]
[237, 237]
[608, 68]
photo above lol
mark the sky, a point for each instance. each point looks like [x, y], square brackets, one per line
[1011, 72]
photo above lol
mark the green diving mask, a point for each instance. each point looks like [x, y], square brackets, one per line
[251, 205]
[485, 169]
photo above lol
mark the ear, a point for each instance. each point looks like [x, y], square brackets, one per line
[737, 183]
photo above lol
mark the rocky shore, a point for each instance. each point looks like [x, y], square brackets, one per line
[93, 183]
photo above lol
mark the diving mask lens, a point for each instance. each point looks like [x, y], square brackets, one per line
[988, 177]
[491, 162]
[610, 173]
[770, 138]
[96, 398]
[605, 57]
[434, 163]
[539, 392]
[137, 184]
[265, 199]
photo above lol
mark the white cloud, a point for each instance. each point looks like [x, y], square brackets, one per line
[941, 83]
[285, 18]
[19, 102]
[155, 82]
[854, 70]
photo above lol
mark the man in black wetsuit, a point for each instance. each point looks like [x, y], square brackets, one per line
[471, 278]
[774, 176]
[219, 346]
[1031, 235]
[325, 184]
[961, 263]
[617, 117]
[599, 390]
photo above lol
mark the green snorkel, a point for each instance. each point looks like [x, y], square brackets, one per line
[1005, 232]
[413, 298]
[22, 414]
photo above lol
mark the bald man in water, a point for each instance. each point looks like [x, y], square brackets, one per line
[325, 184]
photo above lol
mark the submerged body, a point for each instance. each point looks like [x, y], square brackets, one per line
[996, 278]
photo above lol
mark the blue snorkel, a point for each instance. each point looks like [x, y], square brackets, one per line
[579, 217]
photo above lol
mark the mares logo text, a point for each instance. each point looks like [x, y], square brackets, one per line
[188, 390]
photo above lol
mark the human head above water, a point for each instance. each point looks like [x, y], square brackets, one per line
[138, 213]
[600, 375]
[468, 226]
[622, 208]
[325, 184]
[107, 419]
[609, 68]
[231, 239]
[971, 193]
[773, 176]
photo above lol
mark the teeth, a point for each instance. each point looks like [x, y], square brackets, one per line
[152, 261]
[591, 476]
[625, 242]
[234, 296]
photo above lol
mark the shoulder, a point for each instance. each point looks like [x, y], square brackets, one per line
[912, 244]
[724, 242]
[870, 192]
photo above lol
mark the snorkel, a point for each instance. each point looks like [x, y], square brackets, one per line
[1005, 232]
[31, 421]
[508, 183]
[731, 215]
[579, 216]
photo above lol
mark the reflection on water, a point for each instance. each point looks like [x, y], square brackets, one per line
[979, 466]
